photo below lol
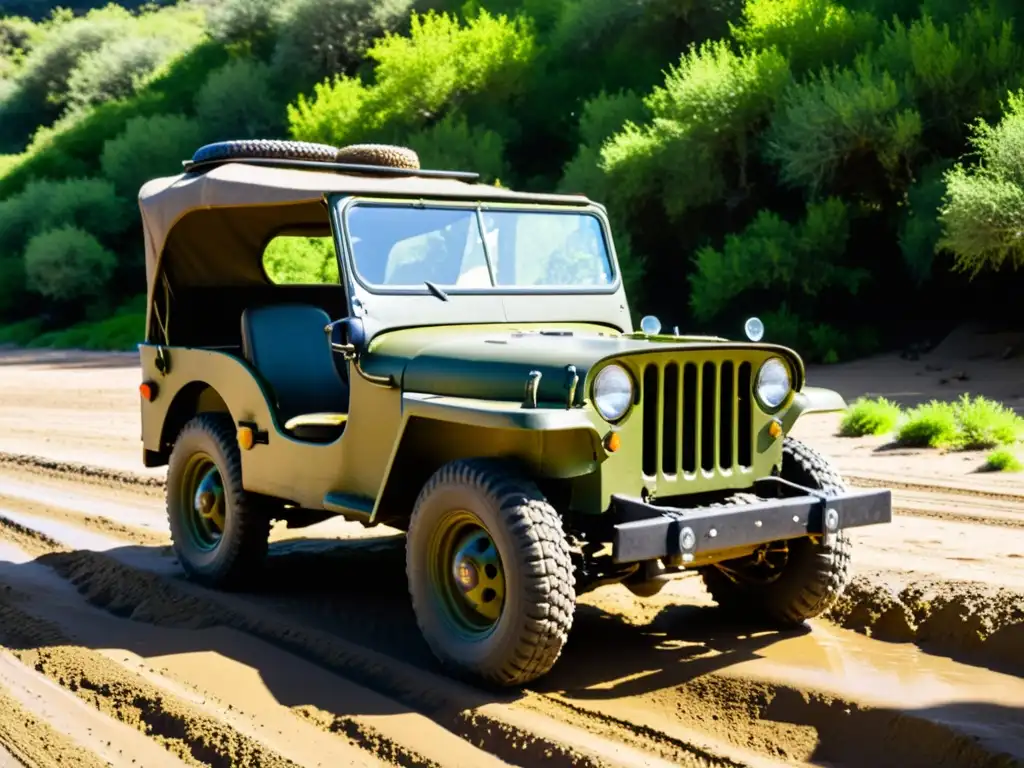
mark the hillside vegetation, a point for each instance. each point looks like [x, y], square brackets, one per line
[850, 171]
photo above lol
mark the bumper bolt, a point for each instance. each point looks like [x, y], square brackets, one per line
[831, 519]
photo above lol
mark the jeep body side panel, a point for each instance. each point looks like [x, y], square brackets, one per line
[294, 470]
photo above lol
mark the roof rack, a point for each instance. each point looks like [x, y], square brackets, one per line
[317, 165]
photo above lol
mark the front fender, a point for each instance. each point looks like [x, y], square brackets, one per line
[812, 400]
[557, 443]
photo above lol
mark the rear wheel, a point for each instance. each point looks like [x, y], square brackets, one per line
[788, 582]
[219, 532]
[490, 574]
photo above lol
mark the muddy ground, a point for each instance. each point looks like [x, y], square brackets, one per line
[109, 657]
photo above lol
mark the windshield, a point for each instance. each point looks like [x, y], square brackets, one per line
[466, 248]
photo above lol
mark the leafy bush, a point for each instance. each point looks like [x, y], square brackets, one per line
[837, 117]
[42, 82]
[772, 254]
[709, 107]
[236, 101]
[811, 33]
[115, 70]
[123, 331]
[301, 260]
[247, 22]
[321, 38]
[452, 144]
[68, 265]
[417, 78]
[149, 147]
[983, 209]
[986, 424]
[968, 424]
[867, 416]
[1003, 460]
[20, 334]
[90, 204]
[931, 425]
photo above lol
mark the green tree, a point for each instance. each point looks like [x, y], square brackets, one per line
[149, 147]
[68, 265]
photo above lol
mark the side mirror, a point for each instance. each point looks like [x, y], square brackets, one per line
[347, 336]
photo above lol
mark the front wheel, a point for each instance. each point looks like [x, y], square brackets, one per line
[219, 532]
[490, 574]
[788, 582]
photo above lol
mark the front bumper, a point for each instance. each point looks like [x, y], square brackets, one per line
[651, 531]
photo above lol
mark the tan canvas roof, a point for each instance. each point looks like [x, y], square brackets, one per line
[213, 226]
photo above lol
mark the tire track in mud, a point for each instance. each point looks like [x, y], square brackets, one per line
[533, 728]
[494, 724]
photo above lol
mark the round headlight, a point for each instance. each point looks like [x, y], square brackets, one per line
[613, 392]
[773, 384]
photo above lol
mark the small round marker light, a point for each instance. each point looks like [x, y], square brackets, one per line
[650, 325]
[613, 442]
[148, 391]
[754, 329]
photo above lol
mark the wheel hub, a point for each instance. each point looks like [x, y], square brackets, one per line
[205, 502]
[477, 575]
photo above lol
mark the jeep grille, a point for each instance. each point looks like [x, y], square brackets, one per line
[697, 415]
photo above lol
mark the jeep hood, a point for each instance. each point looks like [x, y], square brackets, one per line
[494, 361]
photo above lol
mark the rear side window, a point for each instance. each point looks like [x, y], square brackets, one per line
[296, 260]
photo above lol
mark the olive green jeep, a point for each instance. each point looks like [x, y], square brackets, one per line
[339, 332]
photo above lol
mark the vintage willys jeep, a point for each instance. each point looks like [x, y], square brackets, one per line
[463, 367]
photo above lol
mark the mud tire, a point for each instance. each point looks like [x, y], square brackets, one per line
[814, 576]
[386, 155]
[266, 149]
[237, 559]
[540, 596]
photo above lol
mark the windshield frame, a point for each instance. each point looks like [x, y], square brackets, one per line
[343, 207]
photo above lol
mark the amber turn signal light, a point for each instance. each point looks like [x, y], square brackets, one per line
[148, 391]
[246, 438]
[775, 429]
[613, 442]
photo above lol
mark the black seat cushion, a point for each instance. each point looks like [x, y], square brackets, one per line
[287, 345]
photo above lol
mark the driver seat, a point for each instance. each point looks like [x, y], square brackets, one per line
[287, 346]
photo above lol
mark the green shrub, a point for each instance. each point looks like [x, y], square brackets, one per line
[301, 260]
[794, 262]
[931, 425]
[983, 208]
[236, 102]
[321, 38]
[1003, 460]
[968, 424]
[867, 416]
[20, 334]
[811, 33]
[149, 147]
[252, 23]
[124, 331]
[840, 115]
[68, 265]
[986, 424]
[42, 81]
[707, 111]
[115, 70]
[920, 229]
[417, 78]
[452, 144]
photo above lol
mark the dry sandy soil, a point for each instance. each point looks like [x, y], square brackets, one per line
[108, 657]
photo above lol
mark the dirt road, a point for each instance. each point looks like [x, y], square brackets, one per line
[110, 658]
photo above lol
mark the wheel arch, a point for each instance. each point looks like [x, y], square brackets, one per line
[194, 398]
[552, 458]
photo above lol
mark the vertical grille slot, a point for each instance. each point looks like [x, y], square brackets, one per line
[690, 418]
[726, 412]
[652, 405]
[745, 441]
[708, 401]
[697, 416]
[672, 396]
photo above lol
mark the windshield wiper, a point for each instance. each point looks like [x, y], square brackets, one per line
[434, 289]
